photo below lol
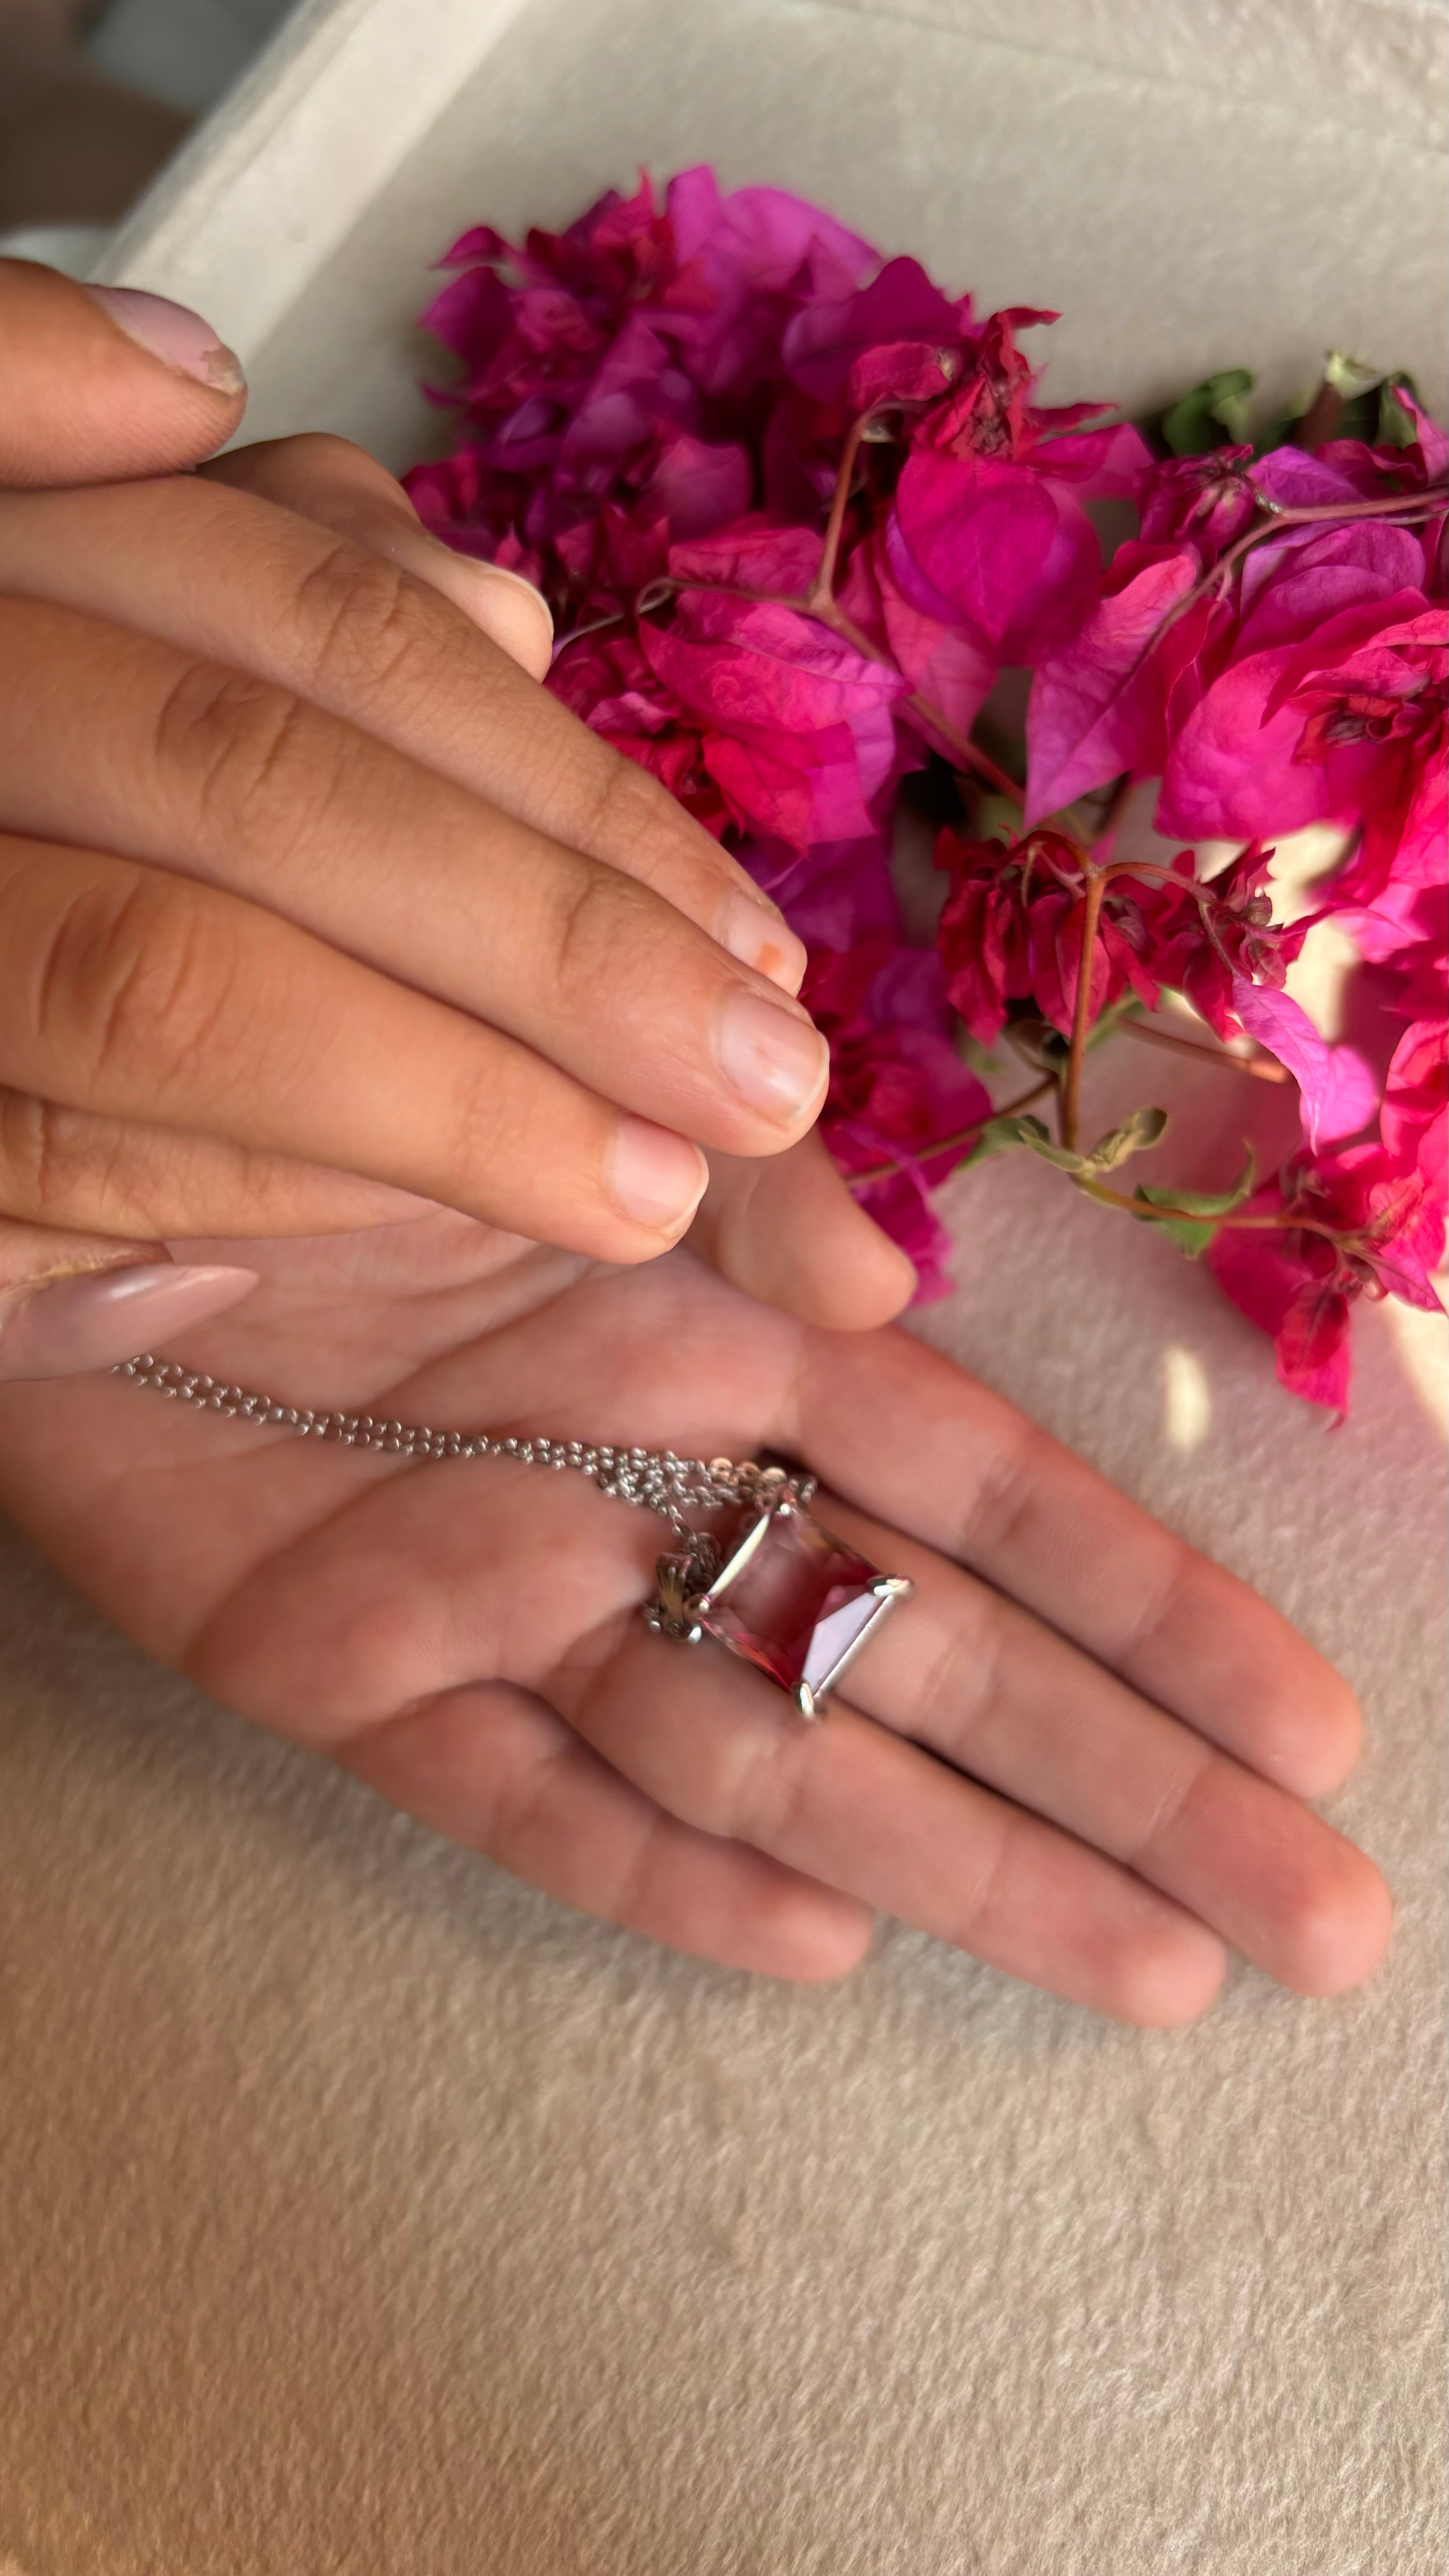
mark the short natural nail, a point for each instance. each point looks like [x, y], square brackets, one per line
[175, 335]
[761, 937]
[512, 611]
[656, 1177]
[776, 1060]
[103, 1316]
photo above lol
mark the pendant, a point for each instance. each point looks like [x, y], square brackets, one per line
[789, 1597]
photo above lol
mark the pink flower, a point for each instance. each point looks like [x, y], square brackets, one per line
[626, 361]
[897, 339]
[1349, 722]
[662, 409]
[1103, 696]
[1207, 500]
[1373, 1224]
[1011, 934]
[898, 1089]
[988, 530]
[608, 681]
[1337, 1087]
[1161, 671]
[798, 726]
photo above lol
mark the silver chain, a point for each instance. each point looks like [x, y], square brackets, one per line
[652, 1479]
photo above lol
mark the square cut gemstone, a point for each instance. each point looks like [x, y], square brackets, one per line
[798, 1603]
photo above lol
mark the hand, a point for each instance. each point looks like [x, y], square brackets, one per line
[313, 905]
[1080, 1751]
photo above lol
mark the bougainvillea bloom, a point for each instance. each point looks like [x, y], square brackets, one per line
[796, 508]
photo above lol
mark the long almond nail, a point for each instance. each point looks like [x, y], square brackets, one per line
[656, 1177]
[775, 1059]
[175, 335]
[108, 1315]
[761, 937]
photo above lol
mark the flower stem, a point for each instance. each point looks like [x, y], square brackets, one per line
[1092, 893]
[951, 1144]
[1403, 505]
[1275, 1221]
[968, 752]
[822, 589]
[1261, 1068]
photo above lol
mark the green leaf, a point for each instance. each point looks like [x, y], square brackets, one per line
[1000, 1134]
[1136, 1135]
[1210, 1205]
[1396, 427]
[1371, 409]
[1214, 414]
[1348, 375]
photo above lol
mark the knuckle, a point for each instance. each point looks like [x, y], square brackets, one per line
[1158, 1609]
[129, 988]
[978, 1902]
[603, 920]
[762, 1798]
[1169, 1814]
[1006, 1495]
[46, 1157]
[235, 747]
[963, 1684]
[359, 621]
[631, 819]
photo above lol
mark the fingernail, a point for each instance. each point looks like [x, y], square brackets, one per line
[776, 1060]
[656, 1177]
[505, 606]
[109, 1315]
[761, 937]
[175, 335]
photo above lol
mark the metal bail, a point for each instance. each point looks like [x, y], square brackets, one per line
[681, 1578]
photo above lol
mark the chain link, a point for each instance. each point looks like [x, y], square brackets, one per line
[652, 1479]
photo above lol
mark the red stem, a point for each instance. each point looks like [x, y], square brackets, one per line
[1093, 891]
[1404, 505]
[1261, 1068]
[949, 1144]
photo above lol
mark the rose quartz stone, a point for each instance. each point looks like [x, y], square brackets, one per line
[801, 1601]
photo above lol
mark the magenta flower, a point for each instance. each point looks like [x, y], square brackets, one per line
[1351, 721]
[988, 530]
[898, 1089]
[795, 508]
[1372, 1224]
[1164, 671]
[1011, 933]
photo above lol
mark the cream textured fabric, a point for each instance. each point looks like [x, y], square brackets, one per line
[362, 2213]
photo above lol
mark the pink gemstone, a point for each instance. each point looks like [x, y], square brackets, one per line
[799, 1603]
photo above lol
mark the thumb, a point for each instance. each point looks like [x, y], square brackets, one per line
[100, 383]
[786, 1230]
[71, 1302]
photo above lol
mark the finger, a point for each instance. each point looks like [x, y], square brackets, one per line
[134, 994]
[103, 382]
[701, 1736]
[493, 1768]
[119, 742]
[119, 1177]
[335, 485]
[852, 1805]
[73, 1302]
[900, 1431]
[975, 1678]
[372, 632]
[788, 1231]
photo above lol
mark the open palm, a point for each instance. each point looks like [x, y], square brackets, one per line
[1080, 1752]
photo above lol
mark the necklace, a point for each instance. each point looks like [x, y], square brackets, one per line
[773, 1585]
